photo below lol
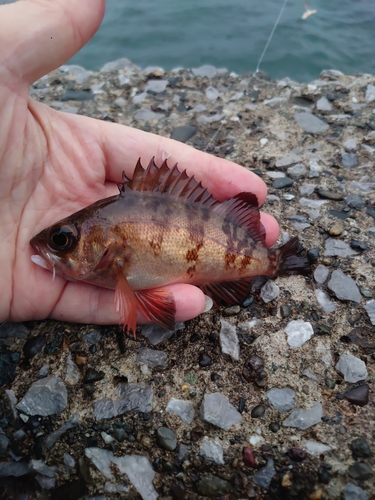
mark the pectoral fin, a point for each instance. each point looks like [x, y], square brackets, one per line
[228, 292]
[126, 304]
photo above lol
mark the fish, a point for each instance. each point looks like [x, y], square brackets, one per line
[164, 227]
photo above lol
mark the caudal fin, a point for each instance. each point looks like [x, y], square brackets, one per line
[287, 262]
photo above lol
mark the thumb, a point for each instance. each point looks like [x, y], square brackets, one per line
[37, 36]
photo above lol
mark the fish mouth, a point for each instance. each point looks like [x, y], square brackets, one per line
[42, 257]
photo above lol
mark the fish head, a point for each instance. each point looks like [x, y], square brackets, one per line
[71, 248]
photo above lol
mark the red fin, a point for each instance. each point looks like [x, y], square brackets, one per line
[158, 306]
[126, 304]
[243, 210]
[167, 181]
[228, 292]
[287, 260]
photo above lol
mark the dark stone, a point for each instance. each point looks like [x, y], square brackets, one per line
[119, 434]
[285, 311]
[215, 376]
[258, 411]
[77, 95]
[371, 212]
[248, 301]
[212, 486]
[33, 346]
[256, 363]
[196, 433]
[166, 438]
[241, 404]
[93, 376]
[248, 457]
[340, 215]
[8, 365]
[329, 195]
[358, 245]
[204, 360]
[360, 448]
[355, 201]
[181, 107]
[13, 330]
[313, 255]
[358, 395]
[296, 454]
[360, 471]
[282, 183]
[178, 490]
[362, 337]
[54, 346]
[323, 475]
[74, 490]
[274, 426]
[183, 133]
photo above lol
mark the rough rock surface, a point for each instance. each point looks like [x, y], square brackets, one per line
[252, 121]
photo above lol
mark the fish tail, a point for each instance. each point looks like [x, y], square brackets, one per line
[286, 262]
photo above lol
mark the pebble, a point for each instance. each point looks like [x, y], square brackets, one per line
[166, 438]
[321, 274]
[69, 461]
[297, 171]
[52, 438]
[311, 123]
[370, 93]
[157, 334]
[147, 115]
[285, 311]
[370, 309]
[16, 469]
[352, 368]
[282, 183]
[304, 419]
[313, 255]
[213, 486]
[152, 357]
[93, 375]
[232, 310]
[306, 202]
[350, 145]
[72, 373]
[359, 246]
[8, 365]
[140, 472]
[307, 189]
[205, 71]
[156, 86]
[316, 448]
[47, 396]
[133, 398]
[92, 337]
[212, 450]
[258, 411]
[329, 195]
[298, 332]
[360, 448]
[287, 160]
[269, 291]
[324, 301]
[212, 94]
[183, 133]
[181, 408]
[229, 342]
[336, 229]
[344, 287]
[358, 395]
[338, 248]
[355, 201]
[264, 476]
[360, 471]
[101, 459]
[217, 410]
[33, 346]
[323, 104]
[204, 360]
[354, 492]
[77, 95]
[281, 399]
[349, 160]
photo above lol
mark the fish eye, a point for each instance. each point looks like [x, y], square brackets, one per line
[62, 238]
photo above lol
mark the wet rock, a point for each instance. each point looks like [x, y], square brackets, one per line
[352, 368]
[16, 469]
[269, 291]
[152, 357]
[264, 477]
[285, 311]
[51, 439]
[324, 301]
[258, 411]
[360, 471]
[232, 310]
[311, 123]
[133, 398]
[42, 468]
[140, 472]
[358, 246]
[355, 201]
[33, 346]
[212, 450]
[354, 492]
[296, 454]
[370, 309]
[282, 183]
[298, 332]
[321, 274]
[181, 408]
[349, 160]
[358, 395]
[166, 438]
[323, 104]
[287, 160]
[4, 442]
[360, 448]
[217, 410]
[183, 133]
[204, 360]
[92, 337]
[157, 334]
[303, 419]
[338, 248]
[297, 171]
[229, 342]
[8, 365]
[344, 287]
[93, 375]
[313, 255]
[47, 396]
[248, 457]
[281, 399]
[213, 487]
[350, 145]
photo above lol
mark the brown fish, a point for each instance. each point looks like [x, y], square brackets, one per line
[163, 228]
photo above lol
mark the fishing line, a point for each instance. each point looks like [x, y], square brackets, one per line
[271, 35]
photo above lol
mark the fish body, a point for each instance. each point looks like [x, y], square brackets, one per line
[163, 228]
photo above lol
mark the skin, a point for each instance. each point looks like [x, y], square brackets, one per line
[53, 164]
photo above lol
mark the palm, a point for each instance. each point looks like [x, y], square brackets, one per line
[52, 164]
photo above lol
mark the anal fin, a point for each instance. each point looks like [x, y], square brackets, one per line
[158, 306]
[228, 292]
[126, 304]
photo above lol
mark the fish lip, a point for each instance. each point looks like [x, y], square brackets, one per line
[43, 253]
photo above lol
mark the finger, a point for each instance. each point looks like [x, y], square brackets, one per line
[271, 227]
[83, 303]
[124, 145]
[44, 34]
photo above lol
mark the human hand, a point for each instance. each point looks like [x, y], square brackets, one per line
[54, 163]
